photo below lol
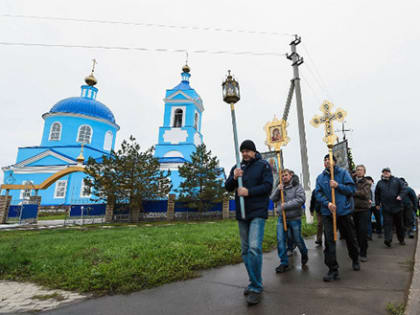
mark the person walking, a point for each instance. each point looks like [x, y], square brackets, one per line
[294, 198]
[377, 228]
[315, 207]
[257, 185]
[361, 214]
[388, 197]
[409, 207]
[344, 189]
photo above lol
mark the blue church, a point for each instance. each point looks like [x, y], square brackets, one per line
[181, 131]
[71, 126]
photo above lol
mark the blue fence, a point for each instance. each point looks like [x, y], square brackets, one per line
[182, 207]
[23, 212]
[155, 205]
[88, 210]
[232, 205]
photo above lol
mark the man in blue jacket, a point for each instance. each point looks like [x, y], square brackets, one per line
[257, 180]
[344, 204]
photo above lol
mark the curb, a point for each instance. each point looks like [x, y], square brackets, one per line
[413, 300]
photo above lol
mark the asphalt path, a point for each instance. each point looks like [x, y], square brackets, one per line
[384, 279]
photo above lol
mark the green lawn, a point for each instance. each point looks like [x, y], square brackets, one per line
[122, 259]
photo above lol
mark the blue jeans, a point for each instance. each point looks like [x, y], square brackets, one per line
[252, 235]
[294, 227]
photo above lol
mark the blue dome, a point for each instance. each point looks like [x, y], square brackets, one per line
[84, 106]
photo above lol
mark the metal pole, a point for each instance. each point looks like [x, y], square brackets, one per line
[238, 160]
[333, 192]
[281, 191]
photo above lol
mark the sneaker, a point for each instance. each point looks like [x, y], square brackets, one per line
[253, 298]
[246, 291]
[319, 243]
[387, 243]
[304, 259]
[331, 275]
[356, 266]
[410, 235]
[282, 268]
[402, 243]
[363, 259]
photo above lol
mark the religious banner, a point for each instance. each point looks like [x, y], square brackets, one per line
[271, 158]
[340, 151]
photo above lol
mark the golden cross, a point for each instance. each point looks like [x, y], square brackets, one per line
[327, 119]
[94, 64]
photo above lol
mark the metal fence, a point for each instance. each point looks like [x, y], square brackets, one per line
[86, 214]
[23, 212]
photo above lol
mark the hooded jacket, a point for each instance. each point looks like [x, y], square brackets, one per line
[294, 198]
[362, 194]
[258, 179]
[386, 193]
[343, 193]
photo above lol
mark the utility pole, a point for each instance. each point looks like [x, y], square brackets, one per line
[296, 62]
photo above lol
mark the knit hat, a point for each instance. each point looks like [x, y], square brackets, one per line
[386, 169]
[248, 145]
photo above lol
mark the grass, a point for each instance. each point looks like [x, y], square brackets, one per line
[124, 258]
[56, 296]
[51, 216]
[395, 309]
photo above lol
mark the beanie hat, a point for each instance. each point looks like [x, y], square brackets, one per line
[248, 145]
[328, 157]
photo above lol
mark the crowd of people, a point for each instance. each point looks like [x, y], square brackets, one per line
[391, 202]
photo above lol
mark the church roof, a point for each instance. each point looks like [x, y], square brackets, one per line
[85, 106]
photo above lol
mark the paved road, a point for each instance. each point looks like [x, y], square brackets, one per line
[384, 278]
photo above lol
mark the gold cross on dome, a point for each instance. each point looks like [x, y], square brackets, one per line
[327, 119]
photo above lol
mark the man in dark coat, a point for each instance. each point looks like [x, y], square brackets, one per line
[361, 214]
[257, 185]
[315, 207]
[344, 190]
[388, 197]
[409, 207]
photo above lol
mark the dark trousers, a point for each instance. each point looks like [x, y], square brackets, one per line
[346, 226]
[393, 219]
[319, 227]
[361, 222]
[408, 219]
[378, 223]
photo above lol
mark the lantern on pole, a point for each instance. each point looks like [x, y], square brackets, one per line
[231, 95]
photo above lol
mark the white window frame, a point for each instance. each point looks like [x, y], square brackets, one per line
[56, 189]
[25, 191]
[91, 134]
[82, 188]
[51, 131]
[174, 108]
[111, 137]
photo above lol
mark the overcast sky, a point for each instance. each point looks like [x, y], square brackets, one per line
[361, 55]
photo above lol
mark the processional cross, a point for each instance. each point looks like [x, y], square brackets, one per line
[330, 139]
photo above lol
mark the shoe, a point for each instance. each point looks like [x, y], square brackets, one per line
[253, 298]
[331, 275]
[282, 268]
[304, 259]
[356, 266]
[246, 291]
[387, 243]
[363, 259]
[319, 243]
[410, 235]
[402, 243]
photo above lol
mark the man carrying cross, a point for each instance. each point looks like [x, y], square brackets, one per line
[344, 189]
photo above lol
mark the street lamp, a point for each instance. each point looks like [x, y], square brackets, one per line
[231, 95]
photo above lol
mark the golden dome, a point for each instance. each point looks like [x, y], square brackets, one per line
[91, 80]
[186, 69]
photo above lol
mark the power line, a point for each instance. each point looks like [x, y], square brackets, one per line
[140, 24]
[169, 50]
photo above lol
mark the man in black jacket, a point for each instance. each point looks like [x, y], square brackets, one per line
[258, 182]
[409, 208]
[388, 196]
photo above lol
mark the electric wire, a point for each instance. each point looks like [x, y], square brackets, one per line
[140, 24]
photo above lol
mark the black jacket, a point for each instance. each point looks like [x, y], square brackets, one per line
[386, 194]
[258, 179]
[315, 205]
[410, 198]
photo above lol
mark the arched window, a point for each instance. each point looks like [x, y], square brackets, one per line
[55, 131]
[178, 118]
[196, 121]
[108, 141]
[85, 134]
